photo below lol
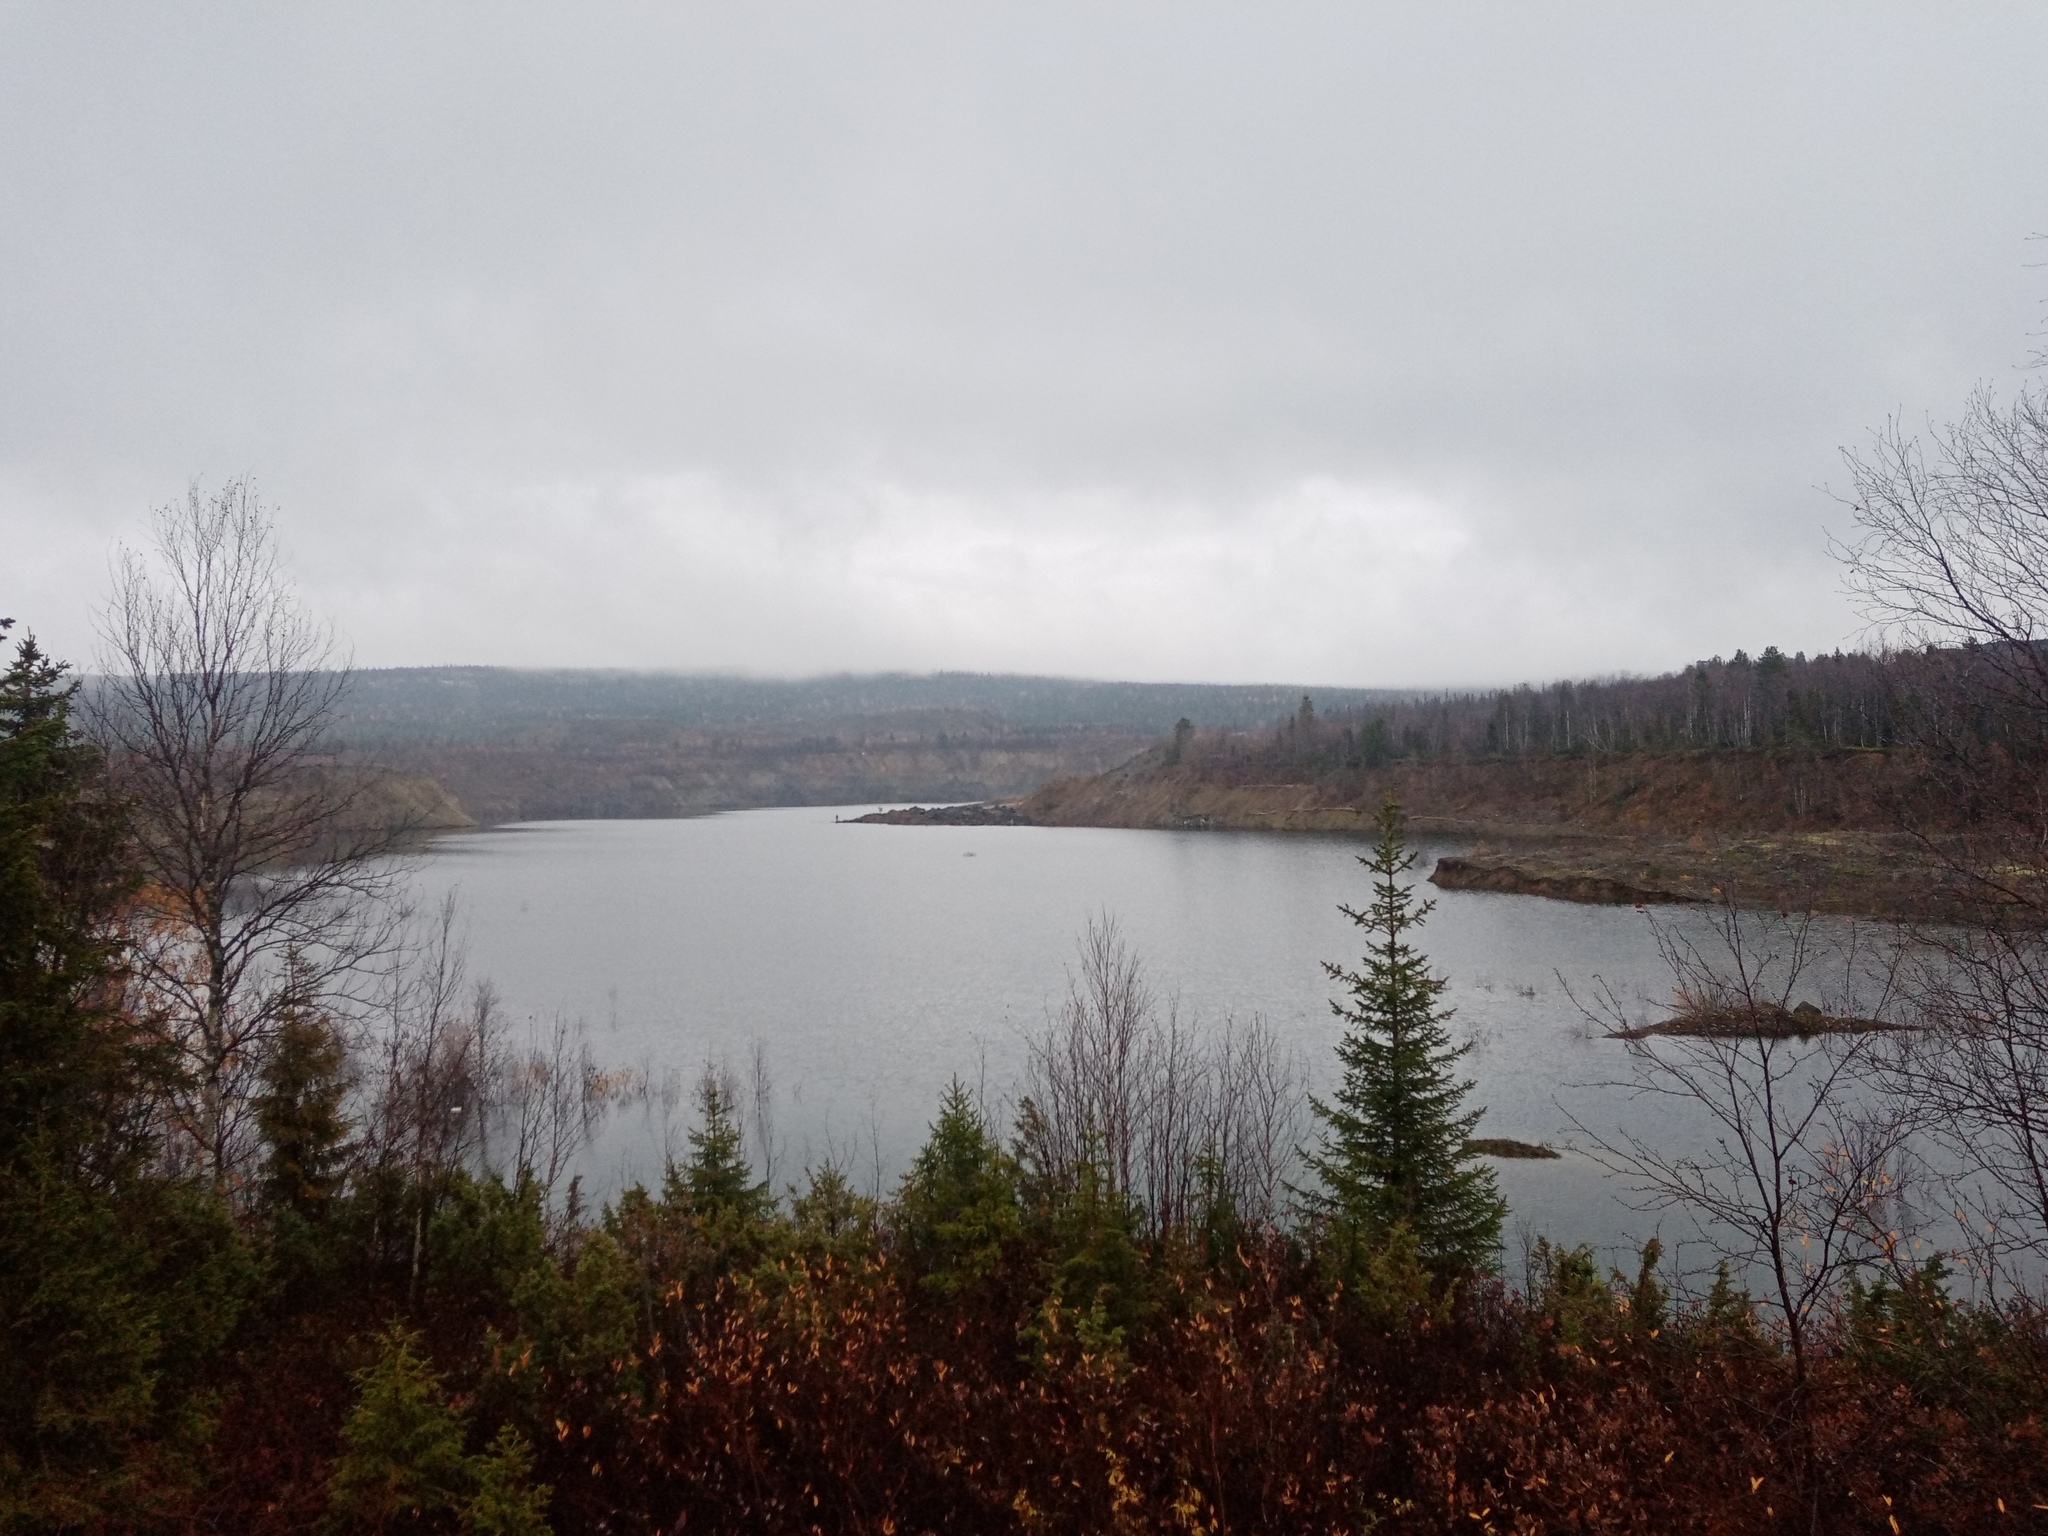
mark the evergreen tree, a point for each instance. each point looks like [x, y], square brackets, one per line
[301, 1114]
[1095, 1269]
[957, 1206]
[831, 1218]
[71, 1065]
[116, 1282]
[715, 1191]
[1393, 1144]
[402, 1467]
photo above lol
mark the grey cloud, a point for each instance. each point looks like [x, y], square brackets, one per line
[1353, 344]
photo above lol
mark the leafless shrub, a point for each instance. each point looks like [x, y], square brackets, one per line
[551, 1097]
[447, 1087]
[1119, 1078]
[430, 1039]
[1261, 1088]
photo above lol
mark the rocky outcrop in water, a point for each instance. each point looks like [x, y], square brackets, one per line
[996, 814]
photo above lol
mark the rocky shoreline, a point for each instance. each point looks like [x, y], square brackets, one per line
[1453, 873]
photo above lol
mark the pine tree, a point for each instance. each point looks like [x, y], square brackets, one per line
[402, 1467]
[1393, 1145]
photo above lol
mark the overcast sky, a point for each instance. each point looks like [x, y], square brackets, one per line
[1340, 344]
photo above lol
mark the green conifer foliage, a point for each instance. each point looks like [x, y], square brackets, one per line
[1392, 1149]
[116, 1282]
[401, 1466]
[300, 1114]
[71, 1066]
[506, 1503]
[1096, 1270]
[957, 1206]
[832, 1219]
[715, 1191]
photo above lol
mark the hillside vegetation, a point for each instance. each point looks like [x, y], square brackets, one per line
[1786, 779]
[521, 746]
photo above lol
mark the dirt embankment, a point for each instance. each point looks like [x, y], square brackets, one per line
[1663, 795]
[1807, 830]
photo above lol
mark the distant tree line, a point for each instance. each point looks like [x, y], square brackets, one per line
[1771, 702]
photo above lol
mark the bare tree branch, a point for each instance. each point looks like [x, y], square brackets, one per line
[216, 695]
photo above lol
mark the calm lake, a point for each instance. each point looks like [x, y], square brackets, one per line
[873, 963]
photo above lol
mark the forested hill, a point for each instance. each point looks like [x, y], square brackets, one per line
[513, 745]
[451, 704]
[1793, 778]
[1773, 700]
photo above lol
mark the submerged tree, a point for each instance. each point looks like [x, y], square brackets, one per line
[1393, 1146]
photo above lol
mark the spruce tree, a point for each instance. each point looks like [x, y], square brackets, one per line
[957, 1207]
[72, 1066]
[1393, 1145]
[716, 1191]
[117, 1281]
[302, 1114]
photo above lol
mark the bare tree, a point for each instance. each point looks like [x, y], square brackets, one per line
[434, 1040]
[1976, 1073]
[1259, 1122]
[1952, 547]
[552, 1097]
[217, 692]
[761, 1119]
[1952, 535]
[1088, 1076]
[1800, 1178]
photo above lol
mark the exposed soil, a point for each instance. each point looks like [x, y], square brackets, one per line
[384, 799]
[1667, 796]
[1854, 873]
[1466, 874]
[1795, 831]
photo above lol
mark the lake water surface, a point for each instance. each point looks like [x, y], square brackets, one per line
[873, 963]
